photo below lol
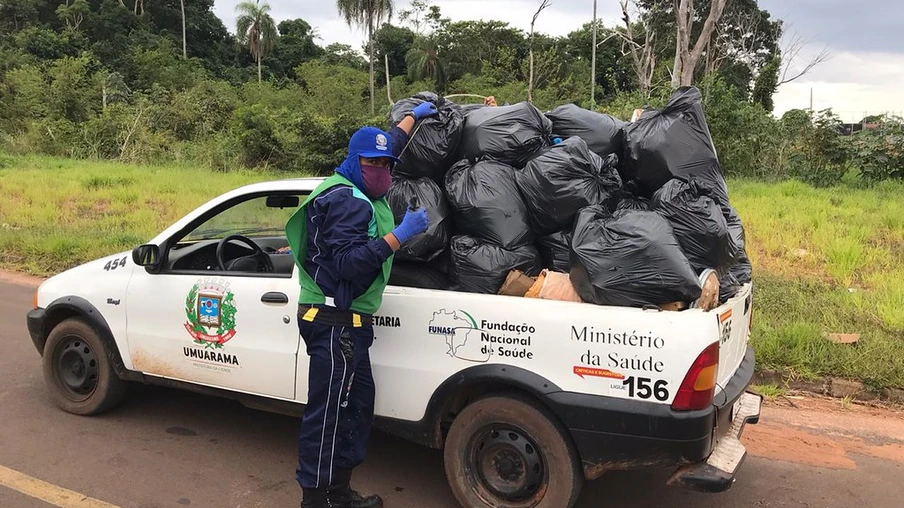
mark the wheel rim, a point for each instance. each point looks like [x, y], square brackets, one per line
[508, 463]
[76, 368]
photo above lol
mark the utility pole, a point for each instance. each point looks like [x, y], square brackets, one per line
[593, 63]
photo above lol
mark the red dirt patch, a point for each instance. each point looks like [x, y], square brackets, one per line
[826, 433]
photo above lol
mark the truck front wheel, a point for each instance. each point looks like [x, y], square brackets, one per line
[507, 451]
[78, 371]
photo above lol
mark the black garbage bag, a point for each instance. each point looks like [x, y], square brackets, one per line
[743, 270]
[674, 142]
[733, 278]
[629, 258]
[632, 202]
[486, 203]
[698, 224]
[417, 275]
[735, 228]
[433, 146]
[555, 251]
[479, 267]
[467, 109]
[602, 133]
[564, 178]
[430, 244]
[509, 134]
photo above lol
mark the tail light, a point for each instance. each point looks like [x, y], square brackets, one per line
[696, 391]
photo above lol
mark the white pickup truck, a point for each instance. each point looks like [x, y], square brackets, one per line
[527, 397]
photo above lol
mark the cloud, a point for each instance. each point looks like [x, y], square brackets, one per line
[873, 25]
[853, 84]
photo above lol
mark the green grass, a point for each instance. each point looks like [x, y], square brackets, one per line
[57, 213]
[825, 260]
[769, 391]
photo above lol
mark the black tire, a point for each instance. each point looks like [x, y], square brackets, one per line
[507, 451]
[78, 372]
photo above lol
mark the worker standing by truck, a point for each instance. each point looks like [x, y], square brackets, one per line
[343, 239]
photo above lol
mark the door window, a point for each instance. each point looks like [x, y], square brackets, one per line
[247, 237]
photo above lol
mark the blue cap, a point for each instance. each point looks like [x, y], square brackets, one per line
[371, 142]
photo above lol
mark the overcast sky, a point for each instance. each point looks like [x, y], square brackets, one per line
[865, 73]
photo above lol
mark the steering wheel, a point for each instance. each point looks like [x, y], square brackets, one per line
[257, 254]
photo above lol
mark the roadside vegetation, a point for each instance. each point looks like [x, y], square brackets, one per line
[826, 260]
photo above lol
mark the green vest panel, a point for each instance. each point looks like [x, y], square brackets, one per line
[381, 223]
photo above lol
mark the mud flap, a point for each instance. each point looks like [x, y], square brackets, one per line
[716, 474]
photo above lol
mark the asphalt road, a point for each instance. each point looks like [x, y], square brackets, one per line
[166, 448]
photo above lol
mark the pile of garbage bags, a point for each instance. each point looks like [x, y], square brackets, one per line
[628, 214]
[563, 179]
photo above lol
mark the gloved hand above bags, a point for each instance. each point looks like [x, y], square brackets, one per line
[424, 110]
[414, 223]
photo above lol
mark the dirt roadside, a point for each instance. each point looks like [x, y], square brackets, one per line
[20, 279]
[826, 432]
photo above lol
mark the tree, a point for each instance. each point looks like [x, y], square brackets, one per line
[643, 55]
[530, 79]
[424, 62]
[343, 54]
[686, 56]
[613, 71]
[469, 46]
[295, 46]
[421, 15]
[746, 35]
[393, 44]
[73, 13]
[766, 83]
[256, 29]
[367, 14]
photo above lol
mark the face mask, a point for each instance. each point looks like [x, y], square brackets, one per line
[376, 181]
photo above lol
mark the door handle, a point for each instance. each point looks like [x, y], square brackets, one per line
[275, 297]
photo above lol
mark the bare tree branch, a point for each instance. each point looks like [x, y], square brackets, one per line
[643, 56]
[791, 50]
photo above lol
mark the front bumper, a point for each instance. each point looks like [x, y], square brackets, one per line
[616, 434]
[35, 321]
[717, 473]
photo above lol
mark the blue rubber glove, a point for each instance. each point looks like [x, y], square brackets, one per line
[425, 109]
[413, 224]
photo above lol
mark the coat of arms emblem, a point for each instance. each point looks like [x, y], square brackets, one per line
[210, 313]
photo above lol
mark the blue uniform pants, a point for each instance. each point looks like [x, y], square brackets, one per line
[337, 419]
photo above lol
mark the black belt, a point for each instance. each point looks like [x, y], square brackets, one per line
[332, 316]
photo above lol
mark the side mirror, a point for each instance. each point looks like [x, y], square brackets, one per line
[146, 255]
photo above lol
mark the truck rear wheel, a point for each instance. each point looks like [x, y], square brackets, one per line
[507, 451]
[78, 371]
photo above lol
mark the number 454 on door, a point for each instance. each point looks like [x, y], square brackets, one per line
[114, 264]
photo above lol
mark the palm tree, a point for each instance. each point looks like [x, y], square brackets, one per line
[367, 14]
[256, 29]
[424, 61]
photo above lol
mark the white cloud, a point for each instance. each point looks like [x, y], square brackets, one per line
[852, 84]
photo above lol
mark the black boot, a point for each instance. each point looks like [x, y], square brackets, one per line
[314, 498]
[341, 495]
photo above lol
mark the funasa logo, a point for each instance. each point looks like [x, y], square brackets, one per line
[210, 313]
